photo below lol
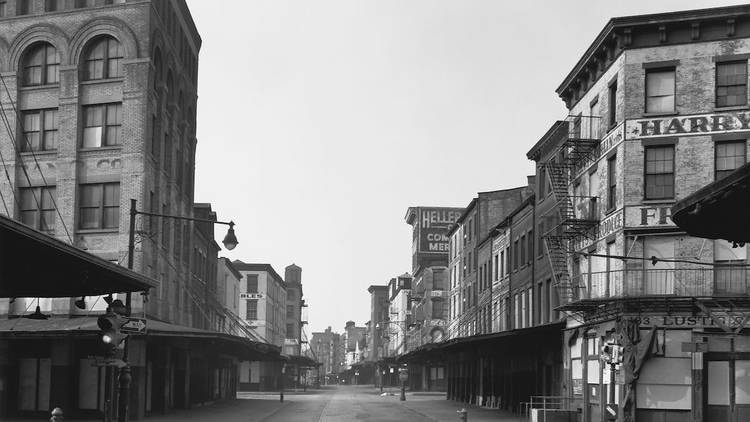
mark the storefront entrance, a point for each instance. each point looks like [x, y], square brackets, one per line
[728, 387]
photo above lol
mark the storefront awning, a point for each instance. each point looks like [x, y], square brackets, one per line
[33, 264]
[86, 326]
[718, 210]
[431, 351]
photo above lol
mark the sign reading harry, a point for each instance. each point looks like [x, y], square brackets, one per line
[431, 227]
[702, 124]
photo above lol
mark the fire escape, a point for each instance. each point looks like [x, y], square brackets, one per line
[575, 216]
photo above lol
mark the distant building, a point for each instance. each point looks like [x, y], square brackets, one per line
[263, 307]
[293, 310]
[397, 326]
[228, 287]
[379, 304]
[325, 346]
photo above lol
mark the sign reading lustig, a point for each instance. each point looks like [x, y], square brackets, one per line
[701, 124]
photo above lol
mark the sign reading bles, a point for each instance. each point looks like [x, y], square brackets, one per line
[702, 124]
[434, 224]
[251, 295]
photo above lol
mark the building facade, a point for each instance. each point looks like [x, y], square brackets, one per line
[101, 100]
[657, 104]
[326, 347]
[263, 308]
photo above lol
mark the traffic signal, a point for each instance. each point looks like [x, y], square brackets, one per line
[611, 353]
[112, 337]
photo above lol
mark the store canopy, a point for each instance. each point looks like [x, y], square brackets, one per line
[242, 347]
[33, 264]
[718, 210]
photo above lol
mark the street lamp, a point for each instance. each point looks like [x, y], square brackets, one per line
[230, 242]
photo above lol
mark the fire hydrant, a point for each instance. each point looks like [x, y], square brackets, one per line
[462, 415]
[57, 415]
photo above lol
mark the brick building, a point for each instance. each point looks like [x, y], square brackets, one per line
[100, 97]
[658, 107]
[263, 308]
[326, 347]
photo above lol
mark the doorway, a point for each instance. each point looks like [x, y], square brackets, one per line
[728, 387]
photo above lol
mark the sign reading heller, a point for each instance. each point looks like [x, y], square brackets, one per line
[700, 124]
[433, 226]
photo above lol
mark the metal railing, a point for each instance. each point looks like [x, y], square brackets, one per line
[684, 282]
[544, 405]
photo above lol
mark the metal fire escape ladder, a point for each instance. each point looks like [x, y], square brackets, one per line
[580, 146]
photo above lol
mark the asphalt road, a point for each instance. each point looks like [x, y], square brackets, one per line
[342, 404]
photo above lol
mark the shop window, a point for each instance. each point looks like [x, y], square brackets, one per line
[659, 276]
[252, 309]
[34, 384]
[730, 274]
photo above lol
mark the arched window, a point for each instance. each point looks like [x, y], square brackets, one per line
[41, 65]
[157, 70]
[170, 86]
[103, 59]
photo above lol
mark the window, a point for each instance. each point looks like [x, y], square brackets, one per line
[290, 311]
[102, 125]
[660, 172]
[103, 59]
[660, 85]
[39, 130]
[37, 208]
[729, 274]
[594, 118]
[99, 206]
[165, 231]
[437, 308]
[731, 84]
[3, 11]
[611, 182]
[23, 7]
[54, 5]
[154, 138]
[729, 157]
[80, 4]
[252, 283]
[167, 154]
[252, 309]
[290, 295]
[496, 267]
[502, 264]
[542, 182]
[523, 250]
[613, 104]
[290, 331]
[530, 248]
[41, 65]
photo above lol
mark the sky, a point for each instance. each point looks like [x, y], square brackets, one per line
[320, 122]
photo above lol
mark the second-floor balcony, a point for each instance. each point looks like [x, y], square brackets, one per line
[712, 282]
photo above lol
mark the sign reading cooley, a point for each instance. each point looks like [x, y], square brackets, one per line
[701, 124]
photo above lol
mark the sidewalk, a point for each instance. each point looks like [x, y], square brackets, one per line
[435, 406]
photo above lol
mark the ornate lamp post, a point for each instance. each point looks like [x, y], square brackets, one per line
[230, 242]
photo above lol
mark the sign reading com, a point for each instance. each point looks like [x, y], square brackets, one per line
[702, 124]
[434, 224]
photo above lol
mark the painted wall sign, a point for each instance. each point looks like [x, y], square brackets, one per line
[687, 321]
[610, 142]
[251, 295]
[700, 124]
[434, 224]
[612, 224]
[648, 216]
